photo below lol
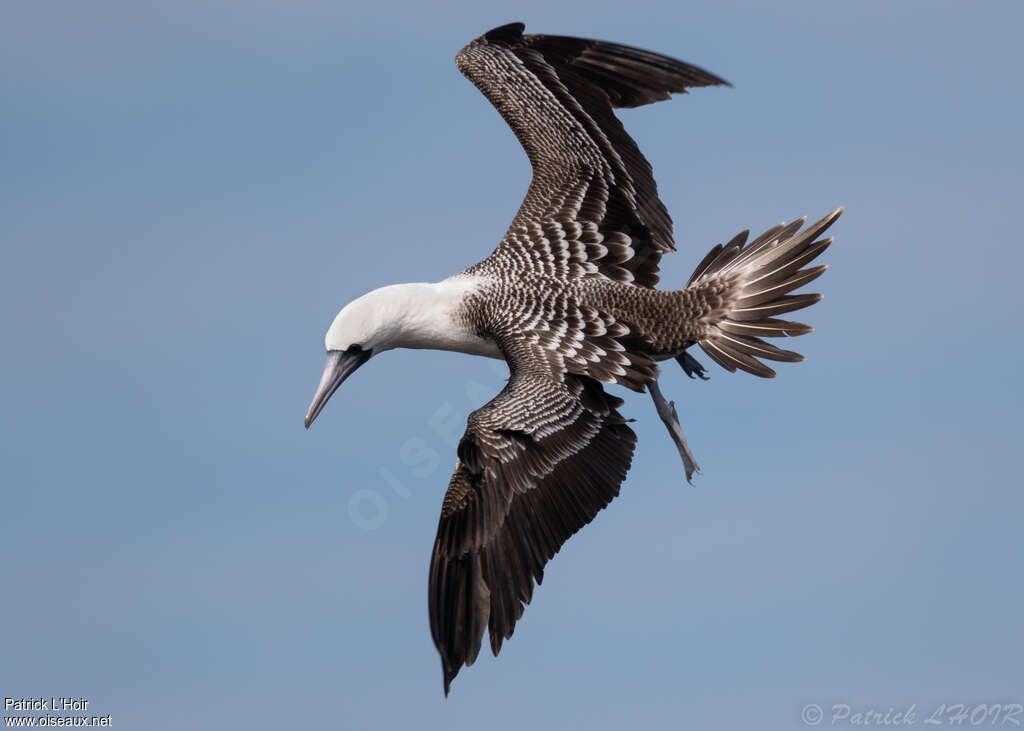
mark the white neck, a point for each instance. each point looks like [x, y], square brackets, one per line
[419, 315]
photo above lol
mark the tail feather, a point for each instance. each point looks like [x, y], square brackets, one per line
[784, 270]
[770, 293]
[721, 252]
[769, 328]
[758, 278]
[731, 359]
[755, 346]
[772, 244]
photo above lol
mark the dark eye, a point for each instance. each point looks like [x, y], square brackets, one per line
[354, 349]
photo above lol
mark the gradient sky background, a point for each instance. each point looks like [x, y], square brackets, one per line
[188, 193]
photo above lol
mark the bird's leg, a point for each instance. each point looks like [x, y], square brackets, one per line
[667, 412]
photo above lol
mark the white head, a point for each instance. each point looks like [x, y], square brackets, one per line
[376, 321]
[397, 316]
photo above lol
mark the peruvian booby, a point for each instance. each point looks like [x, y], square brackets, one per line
[568, 300]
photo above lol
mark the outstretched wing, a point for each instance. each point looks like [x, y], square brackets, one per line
[593, 206]
[535, 465]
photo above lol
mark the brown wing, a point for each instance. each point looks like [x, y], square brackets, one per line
[535, 465]
[592, 206]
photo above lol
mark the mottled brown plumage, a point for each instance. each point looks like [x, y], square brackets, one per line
[568, 300]
[568, 297]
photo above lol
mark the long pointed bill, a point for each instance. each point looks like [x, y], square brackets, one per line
[340, 365]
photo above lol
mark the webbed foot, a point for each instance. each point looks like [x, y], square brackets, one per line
[691, 366]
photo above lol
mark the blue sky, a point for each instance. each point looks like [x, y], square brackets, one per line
[188, 193]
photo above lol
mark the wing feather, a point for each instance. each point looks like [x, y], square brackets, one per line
[557, 94]
[526, 480]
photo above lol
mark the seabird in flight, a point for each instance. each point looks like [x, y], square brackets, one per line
[567, 299]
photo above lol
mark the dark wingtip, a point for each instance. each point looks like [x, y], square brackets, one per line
[508, 33]
[449, 675]
[710, 79]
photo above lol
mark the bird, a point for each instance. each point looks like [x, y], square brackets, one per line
[568, 300]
